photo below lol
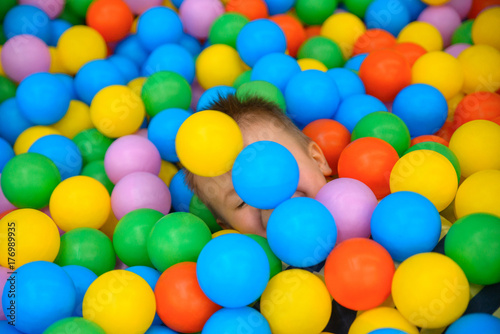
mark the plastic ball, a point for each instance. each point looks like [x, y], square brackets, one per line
[456, 49]
[23, 55]
[478, 193]
[158, 26]
[463, 34]
[483, 26]
[8, 329]
[388, 15]
[132, 48]
[462, 7]
[200, 210]
[218, 65]
[225, 29]
[423, 34]
[76, 120]
[356, 106]
[7, 88]
[379, 318]
[440, 148]
[322, 49]
[159, 329]
[30, 135]
[444, 18]
[275, 263]
[428, 138]
[79, 7]
[479, 105]
[387, 331]
[311, 64]
[6, 153]
[294, 32]
[374, 39]
[480, 62]
[197, 16]
[261, 89]
[279, 6]
[164, 90]
[354, 63]
[181, 194]
[53, 10]
[307, 307]
[234, 319]
[82, 278]
[76, 324]
[68, 82]
[92, 145]
[410, 51]
[170, 57]
[151, 276]
[357, 7]
[252, 9]
[5, 205]
[275, 68]
[483, 322]
[243, 78]
[111, 18]
[140, 6]
[314, 12]
[211, 95]
[26, 18]
[344, 29]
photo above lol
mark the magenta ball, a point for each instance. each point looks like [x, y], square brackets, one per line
[131, 154]
[444, 18]
[23, 55]
[5, 205]
[456, 49]
[197, 16]
[462, 7]
[351, 203]
[140, 6]
[3, 279]
[51, 7]
[138, 191]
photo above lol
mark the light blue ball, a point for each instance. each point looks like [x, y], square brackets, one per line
[233, 270]
[212, 94]
[191, 44]
[125, 66]
[177, 3]
[414, 7]
[237, 320]
[355, 107]
[132, 48]
[25, 19]
[265, 174]
[12, 122]
[389, 15]
[157, 26]
[276, 68]
[354, 63]
[181, 194]
[475, 323]
[151, 276]
[58, 27]
[170, 57]
[5, 328]
[387, 331]
[82, 278]
[348, 82]
[68, 82]
[6, 153]
[279, 6]
[406, 223]
[155, 329]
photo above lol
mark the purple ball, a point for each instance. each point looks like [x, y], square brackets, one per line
[462, 7]
[456, 49]
[444, 18]
[351, 204]
[23, 55]
[131, 154]
[140, 6]
[197, 16]
[4, 202]
[3, 279]
[138, 191]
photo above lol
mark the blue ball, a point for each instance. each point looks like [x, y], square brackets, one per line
[62, 151]
[233, 270]
[212, 94]
[311, 95]
[355, 107]
[181, 194]
[6, 153]
[475, 323]
[25, 19]
[276, 68]
[155, 329]
[5, 328]
[301, 232]
[259, 38]
[132, 48]
[423, 108]
[354, 63]
[68, 82]
[265, 174]
[177, 3]
[387, 331]
[44, 294]
[59, 26]
[151, 276]
[94, 76]
[406, 223]
[279, 6]
[389, 15]
[414, 7]
[157, 26]
[125, 66]
[237, 320]
[191, 44]
[170, 57]
[12, 122]
[82, 278]
[347, 81]
[43, 98]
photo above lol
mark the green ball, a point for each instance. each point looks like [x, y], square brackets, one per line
[165, 90]
[463, 34]
[5, 6]
[386, 126]
[357, 7]
[79, 7]
[200, 210]
[263, 89]
[3, 38]
[7, 89]
[69, 15]
[29, 179]
[225, 29]
[323, 49]
[243, 78]
[87, 247]
[315, 12]
[473, 242]
[74, 325]
[131, 235]
[177, 237]
[441, 149]
[92, 144]
[96, 170]
[274, 263]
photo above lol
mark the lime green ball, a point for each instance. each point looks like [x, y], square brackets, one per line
[131, 235]
[473, 242]
[441, 149]
[386, 126]
[177, 237]
[92, 145]
[357, 7]
[69, 15]
[323, 49]
[263, 89]
[225, 29]
[5, 6]
[79, 7]
[200, 210]
[74, 325]
[243, 78]
[315, 12]
[463, 34]
[165, 90]
[87, 247]
[274, 262]
[7, 89]
[96, 170]
[29, 179]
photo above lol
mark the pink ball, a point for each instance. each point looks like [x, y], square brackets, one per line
[120, 264]
[351, 203]
[5, 205]
[462, 7]
[23, 55]
[3, 279]
[131, 154]
[197, 16]
[51, 7]
[142, 133]
[444, 18]
[140, 190]
[456, 49]
[140, 6]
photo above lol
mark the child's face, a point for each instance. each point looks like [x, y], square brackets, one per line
[232, 212]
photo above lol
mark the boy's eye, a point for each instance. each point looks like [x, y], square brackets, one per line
[241, 205]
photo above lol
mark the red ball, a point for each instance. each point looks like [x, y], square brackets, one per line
[446, 131]
[373, 39]
[410, 51]
[294, 32]
[252, 9]
[479, 5]
[111, 18]
[478, 105]
[424, 138]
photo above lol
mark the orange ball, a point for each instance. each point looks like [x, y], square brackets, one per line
[180, 302]
[252, 9]
[478, 105]
[411, 51]
[446, 130]
[479, 5]
[312, 31]
[385, 73]
[373, 39]
[424, 138]
[331, 136]
[111, 18]
[294, 32]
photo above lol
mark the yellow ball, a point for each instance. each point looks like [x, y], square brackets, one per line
[167, 171]
[109, 226]
[27, 235]
[452, 105]
[481, 66]
[55, 61]
[486, 26]
[427, 173]
[440, 70]
[208, 142]
[477, 146]
[31, 135]
[381, 317]
[435, 2]
[76, 120]
[133, 27]
[311, 64]
[121, 302]
[136, 85]
[423, 34]
[223, 232]
[430, 290]
[217, 65]
[344, 29]
[296, 302]
[117, 111]
[80, 201]
[78, 45]
[480, 192]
